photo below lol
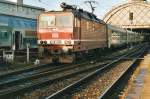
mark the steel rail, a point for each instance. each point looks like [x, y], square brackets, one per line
[7, 92]
[84, 79]
[42, 74]
[37, 74]
[35, 85]
[120, 76]
[26, 69]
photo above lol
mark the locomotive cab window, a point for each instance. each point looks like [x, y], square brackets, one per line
[46, 21]
[64, 20]
[55, 20]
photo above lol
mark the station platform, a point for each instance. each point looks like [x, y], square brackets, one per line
[140, 86]
[146, 87]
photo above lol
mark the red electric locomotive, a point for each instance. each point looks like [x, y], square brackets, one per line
[66, 34]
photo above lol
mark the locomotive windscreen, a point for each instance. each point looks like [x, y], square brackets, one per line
[61, 20]
[46, 21]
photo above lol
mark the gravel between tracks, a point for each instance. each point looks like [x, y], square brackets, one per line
[96, 87]
[91, 92]
[43, 92]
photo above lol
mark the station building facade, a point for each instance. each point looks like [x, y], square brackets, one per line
[18, 25]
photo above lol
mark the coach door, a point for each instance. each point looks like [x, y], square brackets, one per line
[17, 40]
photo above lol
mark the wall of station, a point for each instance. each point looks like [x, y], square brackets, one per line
[26, 29]
[18, 25]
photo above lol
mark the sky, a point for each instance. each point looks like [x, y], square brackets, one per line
[102, 7]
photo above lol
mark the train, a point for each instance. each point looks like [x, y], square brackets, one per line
[71, 33]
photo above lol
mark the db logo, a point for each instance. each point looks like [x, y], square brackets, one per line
[55, 35]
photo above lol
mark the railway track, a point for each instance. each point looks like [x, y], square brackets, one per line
[25, 83]
[43, 80]
[32, 68]
[41, 68]
[60, 84]
[33, 72]
[25, 70]
[116, 69]
[124, 75]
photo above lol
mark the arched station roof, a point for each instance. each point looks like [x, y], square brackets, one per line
[135, 14]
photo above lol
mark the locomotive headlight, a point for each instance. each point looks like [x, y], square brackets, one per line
[65, 49]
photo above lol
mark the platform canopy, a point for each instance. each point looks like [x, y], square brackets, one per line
[134, 14]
